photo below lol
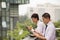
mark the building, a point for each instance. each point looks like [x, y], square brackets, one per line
[9, 15]
[53, 10]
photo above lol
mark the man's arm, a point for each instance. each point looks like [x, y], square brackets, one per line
[38, 33]
[40, 36]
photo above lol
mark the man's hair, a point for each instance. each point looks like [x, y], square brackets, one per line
[46, 15]
[35, 15]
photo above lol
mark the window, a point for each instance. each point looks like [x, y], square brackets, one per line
[14, 10]
[19, 1]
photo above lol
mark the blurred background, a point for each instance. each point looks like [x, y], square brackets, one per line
[15, 15]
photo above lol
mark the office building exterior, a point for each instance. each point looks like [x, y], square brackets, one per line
[9, 15]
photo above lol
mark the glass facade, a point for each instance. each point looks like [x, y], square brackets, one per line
[9, 16]
[18, 1]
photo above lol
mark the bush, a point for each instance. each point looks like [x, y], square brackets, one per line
[20, 30]
[57, 24]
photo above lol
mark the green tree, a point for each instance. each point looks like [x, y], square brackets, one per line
[57, 24]
[21, 26]
[19, 32]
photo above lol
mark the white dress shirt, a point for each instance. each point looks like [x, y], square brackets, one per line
[40, 27]
[50, 33]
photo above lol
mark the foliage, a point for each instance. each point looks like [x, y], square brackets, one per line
[18, 33]
[29, 23]
[20, 30]
[5, 38]
[22, 18]
[57, 24]
[58, 33]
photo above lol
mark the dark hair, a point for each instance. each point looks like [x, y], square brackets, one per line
[35, 15]
[46, 15]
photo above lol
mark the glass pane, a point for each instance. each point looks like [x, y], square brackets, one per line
[14, 10]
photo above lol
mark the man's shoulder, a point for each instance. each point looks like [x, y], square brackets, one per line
[40, 22]
[51, 25]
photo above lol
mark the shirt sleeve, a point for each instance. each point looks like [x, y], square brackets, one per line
[39, 28]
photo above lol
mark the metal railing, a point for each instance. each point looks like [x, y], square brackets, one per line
[58, 38]
[57, 28]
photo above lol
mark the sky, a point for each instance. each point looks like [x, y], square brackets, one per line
[33, 3]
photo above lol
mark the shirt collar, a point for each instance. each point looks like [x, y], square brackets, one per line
[38, 21]
[49, 23]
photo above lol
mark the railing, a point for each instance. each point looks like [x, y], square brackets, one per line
[58, 34]
[57, 28]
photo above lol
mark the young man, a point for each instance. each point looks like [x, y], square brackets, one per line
[49, 33]
[40, 25]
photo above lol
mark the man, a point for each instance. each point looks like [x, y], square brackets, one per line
[49, 33]
[40, 25]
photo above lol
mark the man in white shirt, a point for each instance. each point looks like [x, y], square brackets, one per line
[40, 25]
[49, 33]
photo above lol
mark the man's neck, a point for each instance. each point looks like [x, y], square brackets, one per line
[47, 22]
[36, 21]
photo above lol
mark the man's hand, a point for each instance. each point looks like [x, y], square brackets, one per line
[35, 34]
[39, 36]
[29, 27]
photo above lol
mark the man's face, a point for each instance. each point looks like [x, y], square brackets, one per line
[45, 20]
[34, 20]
